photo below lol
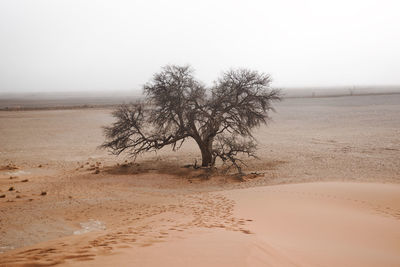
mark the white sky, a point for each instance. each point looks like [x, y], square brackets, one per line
[83, 45]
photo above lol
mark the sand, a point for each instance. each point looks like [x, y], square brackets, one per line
[310, 224]
[328, 193]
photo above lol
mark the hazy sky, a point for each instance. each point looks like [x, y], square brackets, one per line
[56, 45]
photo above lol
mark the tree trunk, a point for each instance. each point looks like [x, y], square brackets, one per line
[206, 153]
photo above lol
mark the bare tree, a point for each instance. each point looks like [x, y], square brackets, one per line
[178, 107]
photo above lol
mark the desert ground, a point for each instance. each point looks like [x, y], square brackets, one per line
[325, 191]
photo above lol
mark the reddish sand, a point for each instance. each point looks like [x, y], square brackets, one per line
[328, 193]
[319, 224]
[312, 224]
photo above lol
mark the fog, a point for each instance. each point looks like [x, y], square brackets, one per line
[85, 45]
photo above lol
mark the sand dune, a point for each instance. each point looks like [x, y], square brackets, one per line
[317, 224]
[312, 224]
